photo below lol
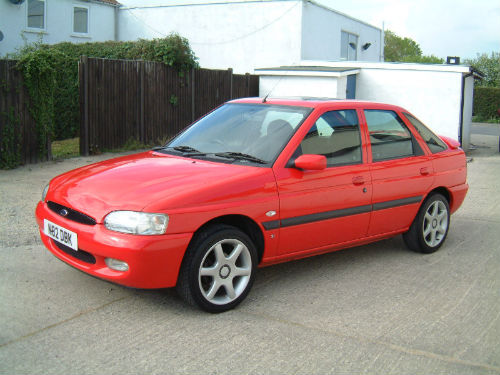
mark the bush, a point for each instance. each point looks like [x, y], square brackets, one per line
[489, 65]
[63, 58]
[10, 146]
[486, 102]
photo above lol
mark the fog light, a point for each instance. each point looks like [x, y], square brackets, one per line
[116, 264]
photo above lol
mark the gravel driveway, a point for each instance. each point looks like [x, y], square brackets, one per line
[373, 309]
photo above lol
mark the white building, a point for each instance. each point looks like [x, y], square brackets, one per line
[439, 95]
[245, 34]
[54, 21]
[301, 35]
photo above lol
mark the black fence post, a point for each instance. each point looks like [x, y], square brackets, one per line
[230, 72]
[141, 112]
[193, 105]
[84, 92]
[247, 82]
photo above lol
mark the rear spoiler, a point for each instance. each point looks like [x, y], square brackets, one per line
[450, 142]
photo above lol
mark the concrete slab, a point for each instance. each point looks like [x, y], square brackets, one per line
[372, 309]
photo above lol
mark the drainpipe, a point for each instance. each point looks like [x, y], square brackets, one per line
[116, 24]
[462, 104]
[382, 43]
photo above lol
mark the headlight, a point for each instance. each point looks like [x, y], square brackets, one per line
[44, 193]
[136, 222]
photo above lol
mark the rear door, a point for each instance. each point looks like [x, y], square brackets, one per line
[330, 206]
[401, 173]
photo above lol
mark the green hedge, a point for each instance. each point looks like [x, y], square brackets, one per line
[62, 61]
[486, 102]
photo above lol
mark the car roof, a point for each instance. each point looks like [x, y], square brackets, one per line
[313, 102]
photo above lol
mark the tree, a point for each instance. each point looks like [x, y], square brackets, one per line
[489, 66]
[405, 50]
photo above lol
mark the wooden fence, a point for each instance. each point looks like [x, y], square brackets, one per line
[147, 101]
[18, 135]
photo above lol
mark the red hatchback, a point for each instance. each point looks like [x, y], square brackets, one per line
[255, 182]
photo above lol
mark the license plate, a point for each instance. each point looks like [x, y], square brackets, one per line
[60, 234]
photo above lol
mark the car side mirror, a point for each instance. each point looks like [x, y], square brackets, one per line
[312, 162]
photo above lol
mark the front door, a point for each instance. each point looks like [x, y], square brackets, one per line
[350, 92]
[330, 206]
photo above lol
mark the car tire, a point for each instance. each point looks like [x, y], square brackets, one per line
[429, 228]
[218, 269]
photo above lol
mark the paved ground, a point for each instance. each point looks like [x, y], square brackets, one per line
[485, 129]
[375, 309]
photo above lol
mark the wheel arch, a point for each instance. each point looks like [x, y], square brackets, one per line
[243, 223]
[443, 191]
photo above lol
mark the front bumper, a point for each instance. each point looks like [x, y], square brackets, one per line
[154, 261]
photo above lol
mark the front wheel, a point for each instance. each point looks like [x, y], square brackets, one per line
[218, 270]
[430, 227]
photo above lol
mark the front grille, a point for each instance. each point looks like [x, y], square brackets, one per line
[80, 254]
[71, 214]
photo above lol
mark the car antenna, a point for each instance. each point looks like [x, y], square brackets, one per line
[272, 89]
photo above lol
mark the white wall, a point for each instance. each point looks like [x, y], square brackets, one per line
[238, 35]
[341, 87]
[434, 97]
[297, 86]
[321, 29]
[58, 24]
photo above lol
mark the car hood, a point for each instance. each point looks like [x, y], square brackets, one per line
[155, 182]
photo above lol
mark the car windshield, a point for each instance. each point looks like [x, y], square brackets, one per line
[249, 132]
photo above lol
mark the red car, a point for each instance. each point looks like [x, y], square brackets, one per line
[253, 183]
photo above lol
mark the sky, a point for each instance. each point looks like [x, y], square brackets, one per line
[442, 28]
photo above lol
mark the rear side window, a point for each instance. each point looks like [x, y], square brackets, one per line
[336, 136]
[433, 141]
[389, 137]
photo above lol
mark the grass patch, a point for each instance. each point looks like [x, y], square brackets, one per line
[132, 144]
[491, 120]
[67, 148]
[70, 148]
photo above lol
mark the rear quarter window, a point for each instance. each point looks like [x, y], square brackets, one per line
[434, 143]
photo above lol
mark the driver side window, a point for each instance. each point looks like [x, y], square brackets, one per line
[336, 136]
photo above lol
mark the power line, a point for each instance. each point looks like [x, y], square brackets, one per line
[255, 31]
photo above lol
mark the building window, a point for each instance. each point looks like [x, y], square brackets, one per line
[36, 14]
[348, 46]
[80, 20]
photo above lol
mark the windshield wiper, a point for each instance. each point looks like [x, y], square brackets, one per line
[241, 156]
[157, 148]
[186, 149]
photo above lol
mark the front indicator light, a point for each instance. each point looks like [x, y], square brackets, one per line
[116, 264]
[44, 193]
[133, 222]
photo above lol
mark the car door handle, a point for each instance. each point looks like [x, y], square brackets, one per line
[358, 180]
[424, 171]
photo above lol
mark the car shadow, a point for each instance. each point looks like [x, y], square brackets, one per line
[278, 278]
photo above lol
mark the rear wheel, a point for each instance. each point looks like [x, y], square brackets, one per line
[430, 227]
[218, 269]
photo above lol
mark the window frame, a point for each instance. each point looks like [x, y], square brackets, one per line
[329, 163]
[78, 33]
[416, 148]
[34, 28]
